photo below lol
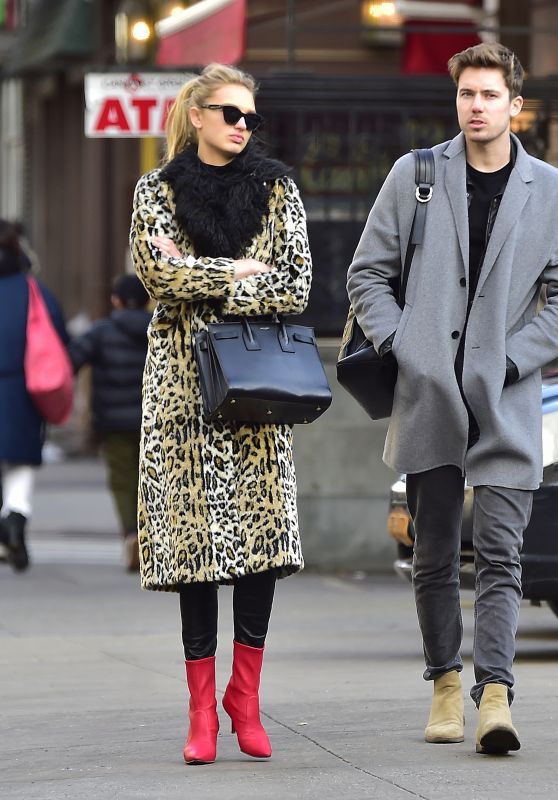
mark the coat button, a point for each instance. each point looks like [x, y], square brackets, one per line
[462, 282]
[455, 334]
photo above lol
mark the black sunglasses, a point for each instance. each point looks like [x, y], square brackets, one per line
[232, 114]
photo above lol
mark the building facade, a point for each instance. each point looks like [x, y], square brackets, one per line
[343, 97]
[339, 106]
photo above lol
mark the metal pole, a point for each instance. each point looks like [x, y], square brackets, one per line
[290, 33]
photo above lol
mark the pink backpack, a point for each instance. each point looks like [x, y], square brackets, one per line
[48, 371]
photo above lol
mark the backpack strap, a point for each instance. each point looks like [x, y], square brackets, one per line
[424, 182]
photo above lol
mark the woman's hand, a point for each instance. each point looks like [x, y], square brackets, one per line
[166, 246]
[244, 267]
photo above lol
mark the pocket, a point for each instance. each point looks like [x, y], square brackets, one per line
[401, 328]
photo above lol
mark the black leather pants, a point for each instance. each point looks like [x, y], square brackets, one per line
[252, 603]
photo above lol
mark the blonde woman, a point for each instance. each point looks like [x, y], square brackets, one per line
[220, 230]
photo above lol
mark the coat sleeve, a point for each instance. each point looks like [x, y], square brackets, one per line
[83, 349]
[171, 280]
[377, 260]
[536, 344]
[285, 288]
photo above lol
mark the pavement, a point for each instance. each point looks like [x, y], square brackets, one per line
[93, 703]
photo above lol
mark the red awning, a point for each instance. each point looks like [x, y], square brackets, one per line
[210, 30]
[436, 31]
[427, 52]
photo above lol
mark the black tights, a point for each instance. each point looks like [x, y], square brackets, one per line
[252, 602]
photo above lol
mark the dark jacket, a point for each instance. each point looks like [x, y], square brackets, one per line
[21, 426]
[115, 347]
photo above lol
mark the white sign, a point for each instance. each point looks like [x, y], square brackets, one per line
[130, 104]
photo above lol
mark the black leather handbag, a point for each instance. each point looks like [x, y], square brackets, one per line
[369, 378]
[262, 371]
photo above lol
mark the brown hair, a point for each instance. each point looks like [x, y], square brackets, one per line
[179, 129]
[492, 56]
[9, 235]
[10, 250]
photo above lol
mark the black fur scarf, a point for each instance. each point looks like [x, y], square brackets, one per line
[221, 209]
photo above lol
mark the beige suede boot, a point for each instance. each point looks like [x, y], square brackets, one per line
[496, 734]
[445, 724]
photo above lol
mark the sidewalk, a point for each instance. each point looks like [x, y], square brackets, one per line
[93, 703]
[73, 517]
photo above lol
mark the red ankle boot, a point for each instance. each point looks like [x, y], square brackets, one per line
[241, 701]
[201, 744]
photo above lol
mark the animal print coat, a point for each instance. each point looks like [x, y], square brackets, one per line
[216, 500]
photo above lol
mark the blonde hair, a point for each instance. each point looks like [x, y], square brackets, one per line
[195, 92]
[493, 56]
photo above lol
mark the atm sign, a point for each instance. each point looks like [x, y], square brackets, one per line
[129, 105]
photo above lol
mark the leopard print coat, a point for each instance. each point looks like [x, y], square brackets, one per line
[216, 501]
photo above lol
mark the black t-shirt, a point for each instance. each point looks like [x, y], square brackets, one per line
[485, 187]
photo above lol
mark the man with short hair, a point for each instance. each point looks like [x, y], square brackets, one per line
[469, 348]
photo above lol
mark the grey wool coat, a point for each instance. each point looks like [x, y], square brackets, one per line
[429, 423]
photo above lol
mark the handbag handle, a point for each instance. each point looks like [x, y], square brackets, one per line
[251, 342]
[425, 174]
[283, 335]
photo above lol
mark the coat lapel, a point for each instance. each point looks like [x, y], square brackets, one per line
[456, 187]
[515, 196]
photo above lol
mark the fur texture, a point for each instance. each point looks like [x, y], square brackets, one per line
[221, 209]
[216, 500]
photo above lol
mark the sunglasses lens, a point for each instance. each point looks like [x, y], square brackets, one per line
[253, 121]
[232, 114]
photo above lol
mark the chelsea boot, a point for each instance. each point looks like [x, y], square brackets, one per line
[445, 724]
[496, 734]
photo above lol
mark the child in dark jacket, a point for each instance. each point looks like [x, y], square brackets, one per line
[116, 347]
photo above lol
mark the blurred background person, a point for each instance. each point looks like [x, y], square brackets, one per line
[115, 347]
[22, 428]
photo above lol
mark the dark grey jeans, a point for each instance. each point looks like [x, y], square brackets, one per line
[500, 516]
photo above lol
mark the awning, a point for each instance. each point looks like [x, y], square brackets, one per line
[210, 30]
[436, 31]
[55, 34]
[430, 45]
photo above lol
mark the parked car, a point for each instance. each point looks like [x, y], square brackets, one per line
[539, 556]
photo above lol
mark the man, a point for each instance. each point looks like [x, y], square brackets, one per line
[469, 348]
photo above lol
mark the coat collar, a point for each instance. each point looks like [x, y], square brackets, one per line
[222, 209]
[456, 186]
[515, 196]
